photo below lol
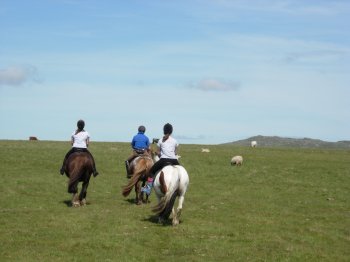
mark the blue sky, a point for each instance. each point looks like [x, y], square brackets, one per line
[218, 70]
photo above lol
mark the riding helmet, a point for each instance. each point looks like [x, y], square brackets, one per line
[168, 129]
[142, 129]
[81, 124]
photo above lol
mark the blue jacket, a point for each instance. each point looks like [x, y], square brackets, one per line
[140, 141]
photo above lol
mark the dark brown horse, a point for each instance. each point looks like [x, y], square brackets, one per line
[79, 167]
[140, 167]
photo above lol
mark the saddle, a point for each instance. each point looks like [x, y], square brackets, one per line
[140, 151]
[79, 150]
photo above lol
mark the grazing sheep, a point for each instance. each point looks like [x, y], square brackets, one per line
[205, 150]
[253, 144]
[237, 160]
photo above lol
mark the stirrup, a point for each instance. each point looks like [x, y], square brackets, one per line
[146, 189]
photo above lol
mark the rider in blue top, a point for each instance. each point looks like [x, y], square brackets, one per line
[140, 145]
[140, 141]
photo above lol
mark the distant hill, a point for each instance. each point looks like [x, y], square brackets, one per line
[275, 141]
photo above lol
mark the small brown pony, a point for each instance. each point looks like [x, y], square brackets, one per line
[139, 167]
[79, 167]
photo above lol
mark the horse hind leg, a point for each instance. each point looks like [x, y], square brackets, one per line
[177, 214]
[73, 189]
[82, 196]
[138, 199]
[75, 200]
[144, 196]
[175, 220]
[146, 201]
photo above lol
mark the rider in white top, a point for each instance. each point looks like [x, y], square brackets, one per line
[167, 149]
[80, 141]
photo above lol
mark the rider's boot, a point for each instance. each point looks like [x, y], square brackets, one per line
[94, 172]
[148, 187]
[63, 167]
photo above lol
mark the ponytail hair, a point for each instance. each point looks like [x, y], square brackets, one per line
[80, 125]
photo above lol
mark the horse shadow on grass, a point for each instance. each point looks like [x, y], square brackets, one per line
[155, 220]
[133, 201]
[67, 202]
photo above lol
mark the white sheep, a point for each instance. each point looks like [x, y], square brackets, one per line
[205, 150]
[237, 160]
[253, 144]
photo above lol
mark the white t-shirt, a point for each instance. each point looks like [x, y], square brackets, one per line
[79, 140]
[167, 148]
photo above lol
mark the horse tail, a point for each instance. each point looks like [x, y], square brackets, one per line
[132, 182]
[169, 206]
[74, 178]
[166, 204]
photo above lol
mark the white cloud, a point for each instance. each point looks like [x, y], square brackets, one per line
[211, 84]
[17, 75]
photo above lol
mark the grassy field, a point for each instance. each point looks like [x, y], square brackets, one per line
[281, 205]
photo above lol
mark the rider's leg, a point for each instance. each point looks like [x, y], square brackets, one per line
[94, 171]
[65, 159]
[149, 185]
[128, 161]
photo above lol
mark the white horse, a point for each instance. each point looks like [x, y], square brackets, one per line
[169, 183]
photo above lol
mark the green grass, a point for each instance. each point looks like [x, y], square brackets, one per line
[281, 205]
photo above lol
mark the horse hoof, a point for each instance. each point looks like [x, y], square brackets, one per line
[83, 202]
[161, 221]
[76, 204]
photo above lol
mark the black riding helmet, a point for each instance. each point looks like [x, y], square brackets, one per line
[142, 129]
[81, 124]
[168, 129]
